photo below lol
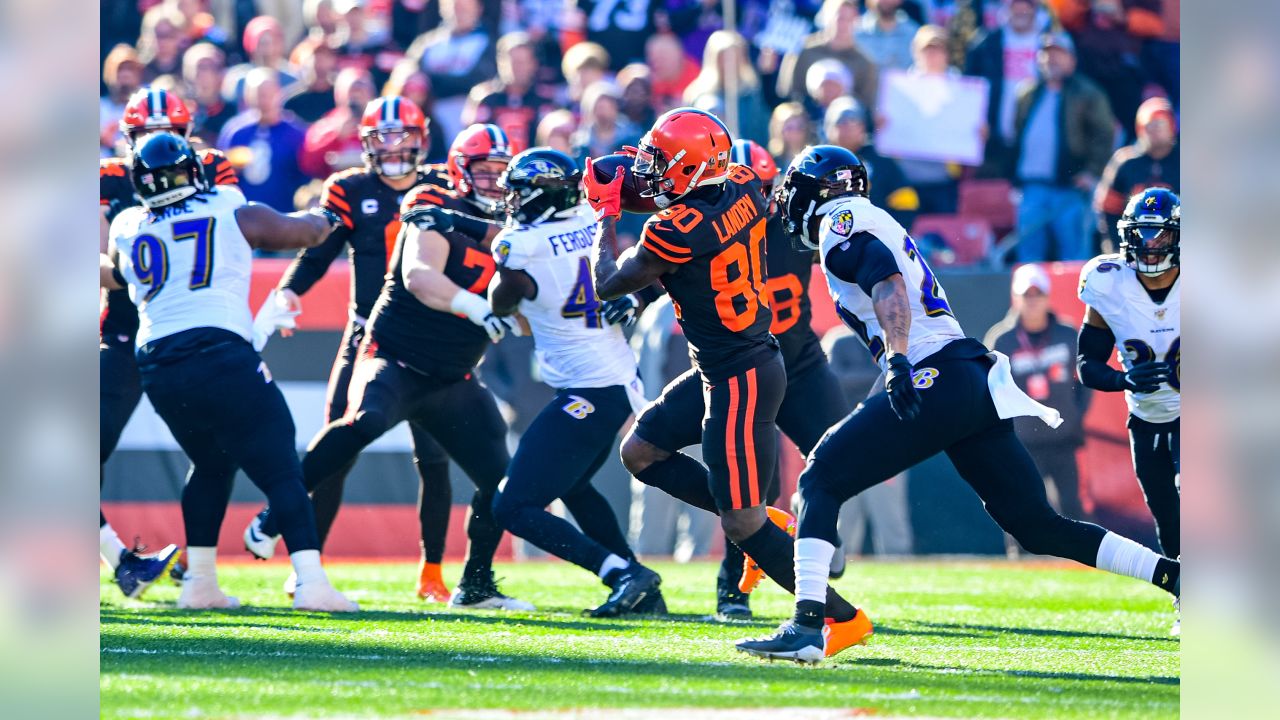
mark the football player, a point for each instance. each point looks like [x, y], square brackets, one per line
[186, 256]
[148, 111]
[1132, 304]
[394, 135]
[544, 272]
[707, 247]
[944, 392]
[426, 333]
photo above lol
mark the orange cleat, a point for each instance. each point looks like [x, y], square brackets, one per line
[838, 636]
[751, 572]
[431, 585]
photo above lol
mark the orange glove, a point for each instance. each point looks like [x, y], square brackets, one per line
[604, 198]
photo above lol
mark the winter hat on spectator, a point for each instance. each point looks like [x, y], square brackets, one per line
[258, 27]
[843, 109]
[929, 35]
[1059, 39]
[824, 70]
[1152, 108]
[1030, 276]
[120, 55]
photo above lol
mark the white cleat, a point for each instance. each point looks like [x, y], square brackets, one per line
[258, 543]
[483, 594]
[203, 593]
[291, 584]
[322, 597]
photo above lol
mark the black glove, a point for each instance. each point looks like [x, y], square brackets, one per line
[620, 311]
[1147, 377]
[903, 397]
[429, 217]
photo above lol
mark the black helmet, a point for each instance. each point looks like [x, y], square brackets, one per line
[1150, 230]
[539, 183]
[820, 173]
[166, 170]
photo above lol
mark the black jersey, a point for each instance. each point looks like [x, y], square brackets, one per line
[789, 270]
[716, 236]
[434, 342]
[370, 212]
[1130, 171]
[119, 320]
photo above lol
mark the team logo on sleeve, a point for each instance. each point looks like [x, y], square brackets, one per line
[579, 408]
[842, 223]
[502, 251]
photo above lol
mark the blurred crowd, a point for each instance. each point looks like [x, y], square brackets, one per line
[1082, 109]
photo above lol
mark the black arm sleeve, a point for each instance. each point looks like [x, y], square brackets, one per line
[863, 260]
[1096, 345]
[650, 294]
[312, 263]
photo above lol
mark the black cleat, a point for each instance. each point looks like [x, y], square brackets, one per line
[790, 642]
[654, 604]
[631, 586]
[483, 594]
[731, 603]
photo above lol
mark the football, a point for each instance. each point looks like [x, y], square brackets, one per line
[606, 168]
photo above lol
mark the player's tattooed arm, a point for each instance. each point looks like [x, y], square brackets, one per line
[616, 275]
[889, 300]
[267, 229]
[508, 288]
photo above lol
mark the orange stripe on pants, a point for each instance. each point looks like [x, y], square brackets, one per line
[749, 440]
[730, 445]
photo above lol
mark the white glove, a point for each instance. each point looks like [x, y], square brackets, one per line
[477, 310]
[273, 315]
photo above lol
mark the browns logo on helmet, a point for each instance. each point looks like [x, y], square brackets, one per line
[686, 148]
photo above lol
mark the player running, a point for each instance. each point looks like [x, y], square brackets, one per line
[393, 132]
[186, 257]
[544, 272]
[943, 392]
[120, 388]
[707, 249]
[1132, 304]
[427, 331]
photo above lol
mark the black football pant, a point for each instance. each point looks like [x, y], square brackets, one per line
[119, 390]
[226, 413]
[435, 494]
[1157, 463]
[558, 455]
[462, 415]
[957, 417]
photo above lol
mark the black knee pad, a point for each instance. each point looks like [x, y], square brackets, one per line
[371, 424]
[819, 479]
[504, 510]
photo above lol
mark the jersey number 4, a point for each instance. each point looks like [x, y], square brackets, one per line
[582, 301]
[747, 281]
[151, 258]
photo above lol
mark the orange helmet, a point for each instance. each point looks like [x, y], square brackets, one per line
[393, 133]
[151, 109]
[478, 143]
[687, 148]
[746, 152]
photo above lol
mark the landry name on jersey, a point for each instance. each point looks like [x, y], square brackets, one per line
[850, 226]
[1145, 330]
[188, 265]
[574, 345]
[435, 342]
[716, 236]
[119, 320]
[370, 213]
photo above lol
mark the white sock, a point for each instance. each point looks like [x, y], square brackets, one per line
[1123, 556]
[611, 563]
[202, 562]
[306, 563]
[813, 564]
[109, 545]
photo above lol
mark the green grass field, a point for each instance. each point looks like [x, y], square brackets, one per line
[952, 639]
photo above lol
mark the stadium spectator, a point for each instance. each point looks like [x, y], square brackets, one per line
[636, 82]
[672, 70]
[1042, 354]
[407, 79]
[622, 27]
[834, 39]
[122, 74]
[263, 143]
[603, 129]
[885, 33]
[846, 125]
[724, 63]
[312, 96]
[333, 142]
[162, 41]
[790, 130]
[583, 65]
[1161, 52]
[288, 14]
[321, 20]
[264, 42]
[932, 179]
[457, 56]
[556, 130]
[203, 66]
[1110, 56]
[826, 80]
[695, 21]
[1006, 57]
[515, 99]
[357, 46]
[1152, 161]
[1063, 130]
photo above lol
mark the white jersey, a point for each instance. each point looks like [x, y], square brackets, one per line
[188, 265]
[932, 323]
[573, 344]
[1145, 330]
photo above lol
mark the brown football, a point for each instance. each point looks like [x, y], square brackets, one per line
[606, 168]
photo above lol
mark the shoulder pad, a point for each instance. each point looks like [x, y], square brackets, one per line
[1099, 277]
[112, 167]
[222, 171]
[743, 174]
[425, 194]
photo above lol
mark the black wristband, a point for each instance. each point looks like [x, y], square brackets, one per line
[330, 216]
